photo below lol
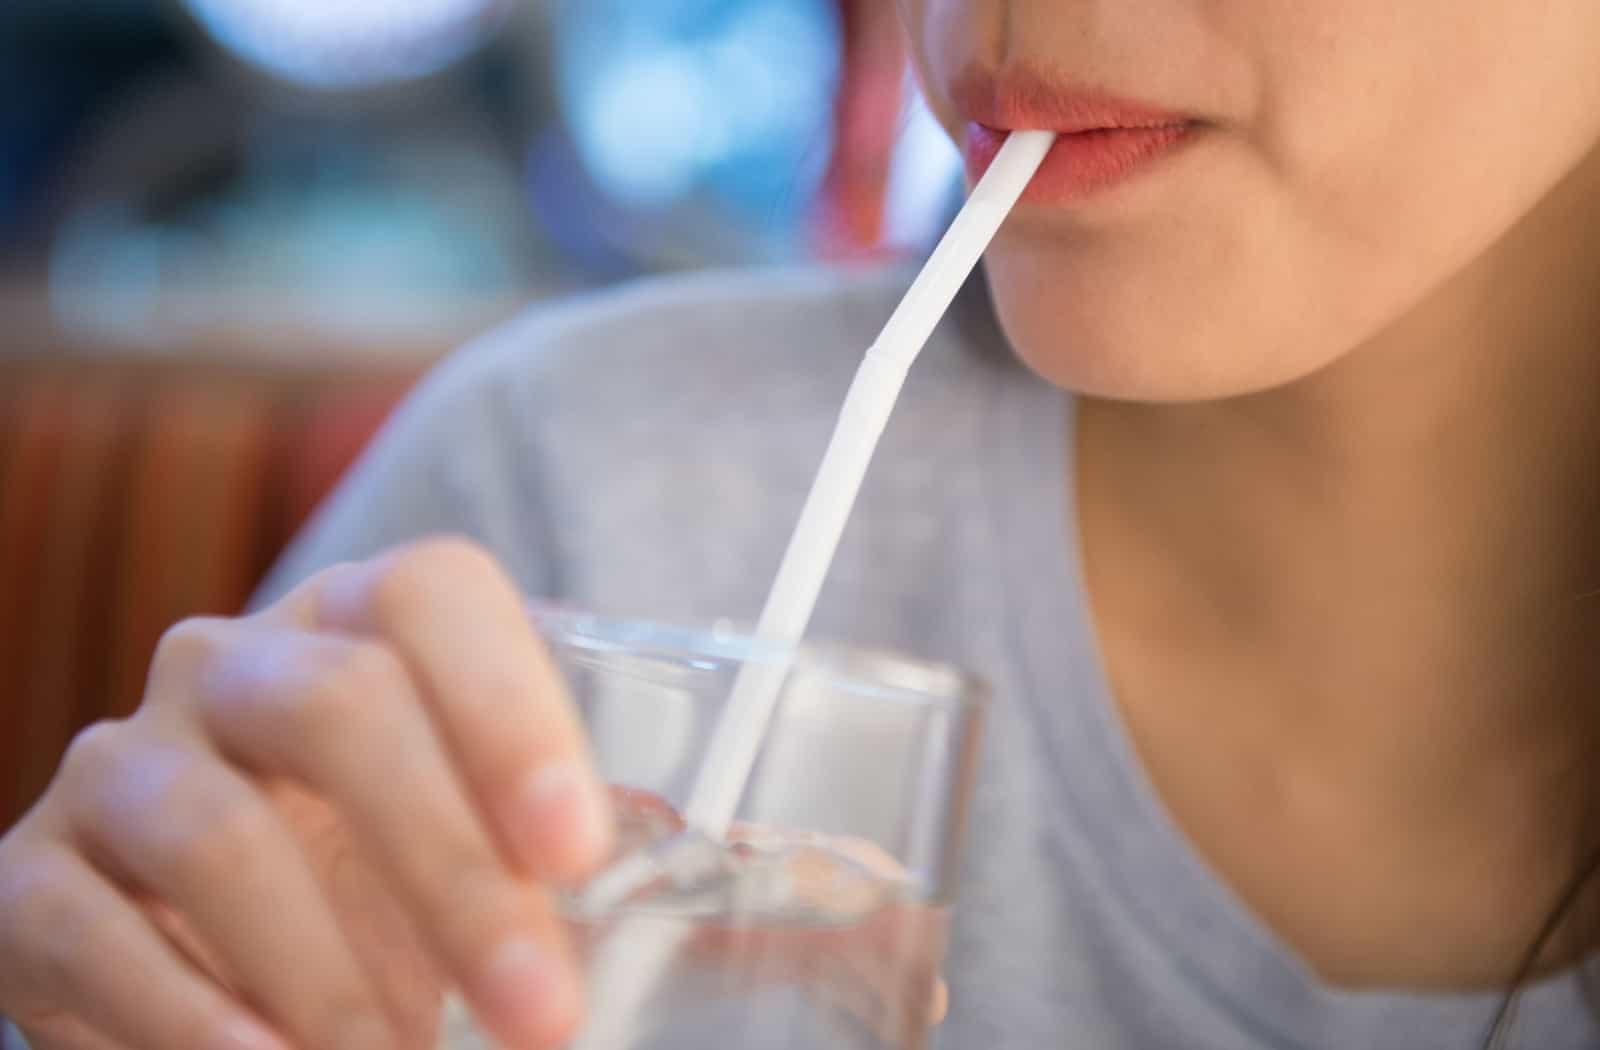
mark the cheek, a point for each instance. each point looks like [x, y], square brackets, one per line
[1392, 145]
[1408, 130]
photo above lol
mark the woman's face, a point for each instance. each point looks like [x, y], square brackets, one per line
[1301, 174]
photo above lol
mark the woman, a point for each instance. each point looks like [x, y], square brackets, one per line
[1284, 603]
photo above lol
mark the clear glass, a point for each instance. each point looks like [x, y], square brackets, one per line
[820, 924]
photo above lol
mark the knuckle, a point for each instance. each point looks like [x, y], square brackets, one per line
[95, 754]
[415, 572]
[344, 691]
[42, 926]
[207, 833]
[169, 814]
[455, 555]
[185, 646]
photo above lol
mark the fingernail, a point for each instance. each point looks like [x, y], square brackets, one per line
[240, 1033]
[940, 1007]
[529, 991]
[564, 804]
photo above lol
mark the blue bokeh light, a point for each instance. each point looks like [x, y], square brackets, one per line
[337, 44]
[723, 98]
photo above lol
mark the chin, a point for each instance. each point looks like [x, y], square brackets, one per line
[1151, 336]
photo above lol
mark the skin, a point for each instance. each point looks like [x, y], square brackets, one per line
[1338, 445]
[245, 863]
[1334, 456]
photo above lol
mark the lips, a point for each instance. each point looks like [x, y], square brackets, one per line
[1103, 140]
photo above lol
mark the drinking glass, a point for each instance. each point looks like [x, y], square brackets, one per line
[819, 921]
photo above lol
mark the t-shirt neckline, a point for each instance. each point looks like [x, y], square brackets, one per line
[1159, 877]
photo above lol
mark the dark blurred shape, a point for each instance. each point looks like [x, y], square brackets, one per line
[193, 201]
[187, 226]
[59, 63]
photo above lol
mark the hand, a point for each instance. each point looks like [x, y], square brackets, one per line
[321, 816]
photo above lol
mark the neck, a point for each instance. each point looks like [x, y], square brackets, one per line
[1402, 543]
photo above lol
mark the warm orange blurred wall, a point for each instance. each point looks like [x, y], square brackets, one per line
[135, 493]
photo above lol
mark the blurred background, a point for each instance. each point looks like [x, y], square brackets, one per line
[234, 232]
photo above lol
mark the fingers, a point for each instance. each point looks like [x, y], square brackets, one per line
[411, 698]
[374, 922]
[341, 716]
[65, 1034]
[883, 975]
[460, 627]
[896, 955]
[95, 965]
[189, 830]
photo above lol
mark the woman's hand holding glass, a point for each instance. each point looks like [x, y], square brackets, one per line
[322, 815]
[328, 813]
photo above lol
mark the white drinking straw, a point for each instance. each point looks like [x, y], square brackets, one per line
[739, 733]
[631, 961]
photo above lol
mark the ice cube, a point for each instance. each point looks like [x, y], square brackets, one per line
[760, 874]
[804, 879]
[643, 818]
[658, 861]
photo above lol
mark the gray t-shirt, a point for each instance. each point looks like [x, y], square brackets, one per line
[646, 452]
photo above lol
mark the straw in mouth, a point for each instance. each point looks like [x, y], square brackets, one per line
[739, 733]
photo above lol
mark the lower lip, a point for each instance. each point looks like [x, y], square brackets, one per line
[1082, 163]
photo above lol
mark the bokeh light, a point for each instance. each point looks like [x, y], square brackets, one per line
[730, 98]
[348, 43]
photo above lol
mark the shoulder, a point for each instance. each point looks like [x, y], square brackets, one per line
[653, 442]
[668, 429]
[671, 336]
[664, 435]
[627, 394]
[736, 361]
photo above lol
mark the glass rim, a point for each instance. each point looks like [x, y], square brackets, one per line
[869, 671]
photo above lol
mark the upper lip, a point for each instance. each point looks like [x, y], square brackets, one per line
[1024, 98]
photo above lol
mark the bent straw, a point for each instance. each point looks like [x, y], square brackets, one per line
[629, 964]
[737, 739]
